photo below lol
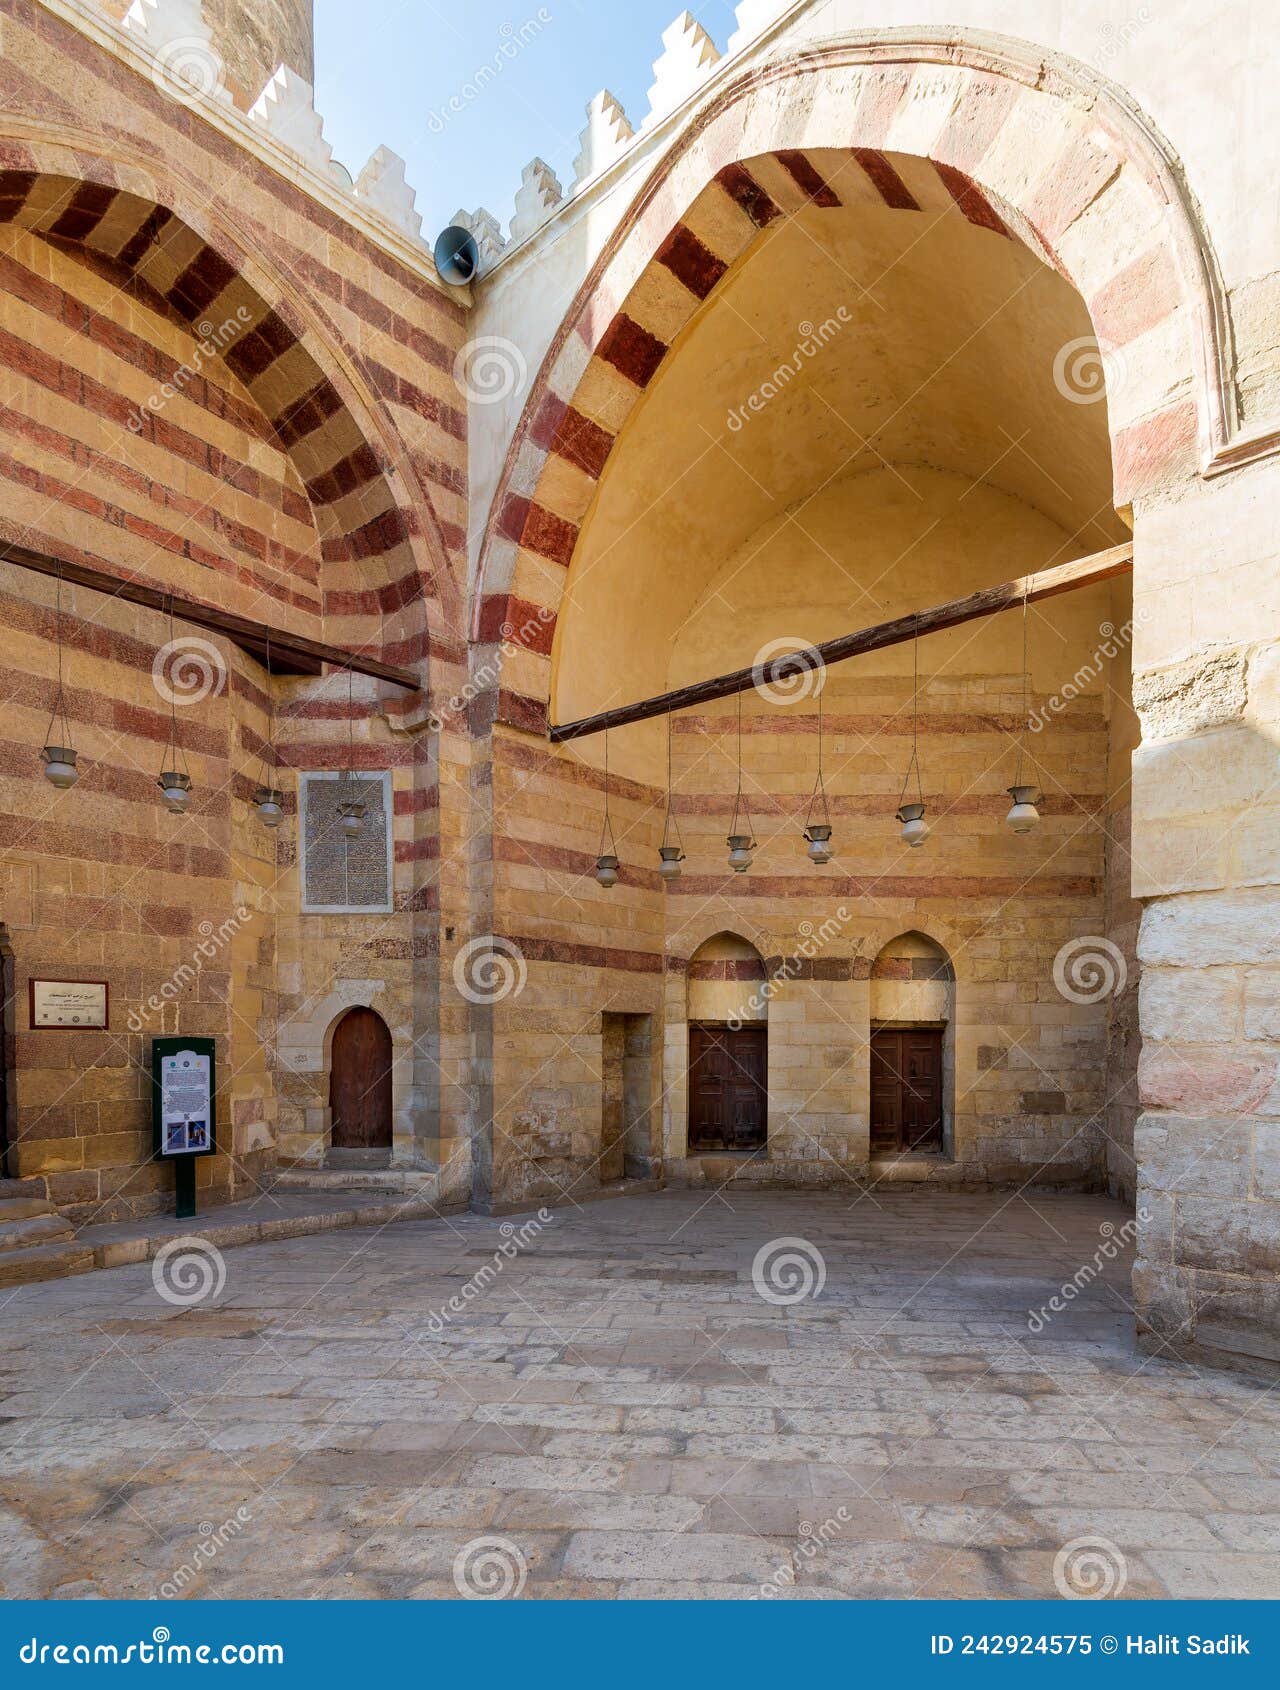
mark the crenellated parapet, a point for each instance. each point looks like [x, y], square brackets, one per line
[487, 231]
[539, 195]
[253, 60]
[286, 108]
[689, 57]
[249, 37]
[383, 186]
[606, 137]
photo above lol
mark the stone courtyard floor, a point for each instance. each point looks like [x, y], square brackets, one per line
[620, 1406]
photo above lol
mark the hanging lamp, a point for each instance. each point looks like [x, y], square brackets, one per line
[174, 779]
[741, 840]
[1023, 814]
[350, 815]
[671, 850]
[607, 855]
[59, 753]
[817, 826]
[915, 830]
[268, 800]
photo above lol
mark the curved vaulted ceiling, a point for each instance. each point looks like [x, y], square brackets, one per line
[848, 340]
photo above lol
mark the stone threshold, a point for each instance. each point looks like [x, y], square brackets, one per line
[270, 1215]
[569, 1199]
[412, 1182]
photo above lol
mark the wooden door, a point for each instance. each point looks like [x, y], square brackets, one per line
[728, 1088]
[360, 1082]
[906, 1090]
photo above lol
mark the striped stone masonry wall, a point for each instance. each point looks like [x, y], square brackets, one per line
[213, 383]
[1030, 1083]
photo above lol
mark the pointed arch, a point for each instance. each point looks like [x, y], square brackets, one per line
[1043, 152]
[383, 558]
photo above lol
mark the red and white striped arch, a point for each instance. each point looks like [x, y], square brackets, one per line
[1045, 155]
[384, 557]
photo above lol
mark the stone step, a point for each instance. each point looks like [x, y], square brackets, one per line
[353, 1161]
[21, 1188]
[21, 1232]
[290, 1214]
[417, 1182]
[22, 1208]
[48, 1261]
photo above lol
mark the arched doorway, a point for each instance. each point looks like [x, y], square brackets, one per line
[728, 1047]
[360, 1090]
[912, 1061]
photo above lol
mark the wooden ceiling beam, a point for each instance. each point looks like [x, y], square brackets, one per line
[988, 601]
[291, 654]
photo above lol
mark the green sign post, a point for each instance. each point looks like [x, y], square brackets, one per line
[183, 1087]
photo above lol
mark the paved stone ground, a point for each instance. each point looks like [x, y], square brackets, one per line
[625, 1412]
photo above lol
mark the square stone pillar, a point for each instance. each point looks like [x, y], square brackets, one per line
[1206, 863]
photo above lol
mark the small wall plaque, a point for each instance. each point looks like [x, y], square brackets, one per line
[69, 1003]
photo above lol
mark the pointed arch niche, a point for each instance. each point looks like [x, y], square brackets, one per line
[912, 1050]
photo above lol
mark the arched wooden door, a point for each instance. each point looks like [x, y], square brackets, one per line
[360, 1082]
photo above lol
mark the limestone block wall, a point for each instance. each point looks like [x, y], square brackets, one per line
[102, 883]
[215, 382]
[567, 952]
[1028, 1063]
[1207, 864]
[252, 37]
[331, 962]
[1118, 970]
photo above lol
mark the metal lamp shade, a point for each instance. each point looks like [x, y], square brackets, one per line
[176, 787]
[915, 830]
[672, 856]
[269, 803]
[607, 870]
[1023, 815]
[819, 838]
[60, 766]
[741, 845]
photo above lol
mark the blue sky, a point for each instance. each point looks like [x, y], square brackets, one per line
[380, 79]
